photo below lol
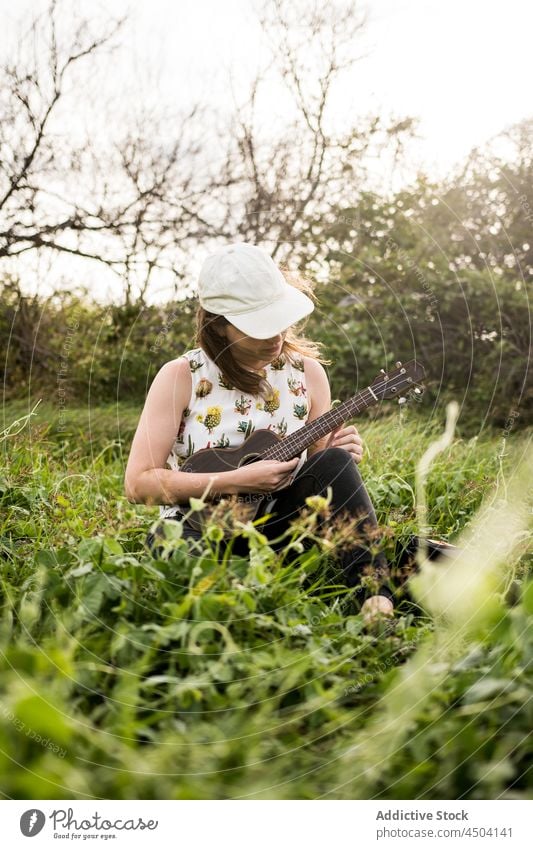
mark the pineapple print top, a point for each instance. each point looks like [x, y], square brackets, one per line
[221, 416]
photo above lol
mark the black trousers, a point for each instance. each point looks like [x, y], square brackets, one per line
[334, 467]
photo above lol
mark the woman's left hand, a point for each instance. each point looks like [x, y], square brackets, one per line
[349, 439]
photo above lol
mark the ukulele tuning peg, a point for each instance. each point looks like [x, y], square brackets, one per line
[402, 400]
[399, 364]
[382, 371]
[418, 391]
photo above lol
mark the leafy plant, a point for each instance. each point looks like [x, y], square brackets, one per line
[201, 676]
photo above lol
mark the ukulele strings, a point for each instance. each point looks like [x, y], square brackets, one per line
[278, 452]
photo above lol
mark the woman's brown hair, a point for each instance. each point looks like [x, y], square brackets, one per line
[210, 336]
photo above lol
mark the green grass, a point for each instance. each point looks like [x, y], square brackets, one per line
[196, 677]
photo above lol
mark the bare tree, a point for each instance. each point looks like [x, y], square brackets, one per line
[126, 200]
[307, 170]
[142, 194]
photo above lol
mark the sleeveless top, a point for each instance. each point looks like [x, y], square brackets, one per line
[221, 416]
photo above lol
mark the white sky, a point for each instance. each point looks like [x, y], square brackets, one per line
[462, 66]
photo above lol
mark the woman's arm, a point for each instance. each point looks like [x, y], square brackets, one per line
[319, 395]
[146, 480]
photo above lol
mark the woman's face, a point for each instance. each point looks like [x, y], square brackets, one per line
[250, 351]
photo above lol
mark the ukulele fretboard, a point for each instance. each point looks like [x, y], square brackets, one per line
[302, 438]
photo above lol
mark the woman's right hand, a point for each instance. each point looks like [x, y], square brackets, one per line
[263, 475]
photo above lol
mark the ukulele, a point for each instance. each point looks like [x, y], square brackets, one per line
[264, 444]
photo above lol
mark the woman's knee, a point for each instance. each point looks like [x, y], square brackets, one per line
[335, 460]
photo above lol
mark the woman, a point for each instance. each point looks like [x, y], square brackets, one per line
[250, 371]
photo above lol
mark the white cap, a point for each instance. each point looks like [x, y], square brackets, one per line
[243, 283]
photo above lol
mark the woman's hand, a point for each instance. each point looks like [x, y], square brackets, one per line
[263, 475]
[349, 439]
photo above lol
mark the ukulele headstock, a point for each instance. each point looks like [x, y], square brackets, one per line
[403, 377]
